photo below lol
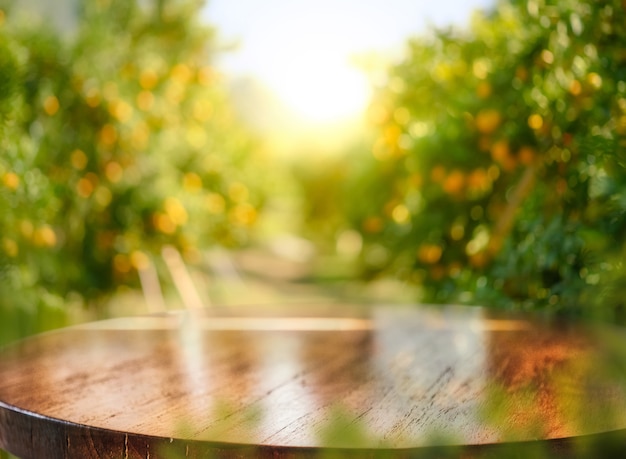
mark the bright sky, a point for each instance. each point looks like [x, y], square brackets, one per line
[303, 50]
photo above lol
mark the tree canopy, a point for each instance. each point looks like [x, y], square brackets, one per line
[117, 139]
[497, 174]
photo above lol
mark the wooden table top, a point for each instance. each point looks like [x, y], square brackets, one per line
[301, 381]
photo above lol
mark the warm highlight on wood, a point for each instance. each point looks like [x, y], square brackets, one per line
[359, 382]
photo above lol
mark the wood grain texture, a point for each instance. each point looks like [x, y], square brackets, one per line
[307, 381]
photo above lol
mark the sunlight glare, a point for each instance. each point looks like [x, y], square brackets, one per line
[301, 49]
[322, 90]
[312, 76]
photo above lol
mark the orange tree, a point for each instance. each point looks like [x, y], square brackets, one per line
[117, 139]
[497, 175]
[18, 201]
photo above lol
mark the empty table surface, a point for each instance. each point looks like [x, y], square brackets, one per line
[302, 381]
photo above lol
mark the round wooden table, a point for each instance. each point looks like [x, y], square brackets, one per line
[333, 381]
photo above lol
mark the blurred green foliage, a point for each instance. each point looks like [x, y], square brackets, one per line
[117, 138]
[497, 172]
[495, 175]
